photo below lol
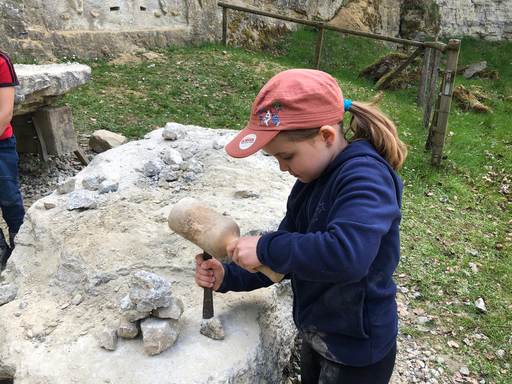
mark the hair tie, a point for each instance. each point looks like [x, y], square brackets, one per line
[347, 104]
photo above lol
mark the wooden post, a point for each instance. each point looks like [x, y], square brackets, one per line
[424, 78]
[224, 26]
[445, 101]
[399, 69]
[41, 144]
[428, 144]
[431, 89]
[318, 51]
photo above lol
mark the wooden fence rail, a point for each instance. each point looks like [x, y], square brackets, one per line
[437, 132]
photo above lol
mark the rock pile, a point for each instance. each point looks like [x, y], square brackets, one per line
[149, 306]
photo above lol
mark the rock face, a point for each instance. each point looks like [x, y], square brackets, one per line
[72, 268]
[487, 19]
[42, 85]
[41, 29]
[44, 30]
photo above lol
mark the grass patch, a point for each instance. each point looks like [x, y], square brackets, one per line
[457, 225]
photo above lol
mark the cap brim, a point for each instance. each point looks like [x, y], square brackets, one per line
[249, 141]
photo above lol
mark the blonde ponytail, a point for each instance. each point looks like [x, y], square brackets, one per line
[369, 123]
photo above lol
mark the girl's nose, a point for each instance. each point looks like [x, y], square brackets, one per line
[282, 166]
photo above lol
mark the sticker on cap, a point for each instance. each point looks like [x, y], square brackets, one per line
[247, 141]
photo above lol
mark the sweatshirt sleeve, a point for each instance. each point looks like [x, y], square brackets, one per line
[238, 279]
[365, 205]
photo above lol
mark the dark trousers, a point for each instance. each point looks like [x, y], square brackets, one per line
[10, 196]
[316, 369]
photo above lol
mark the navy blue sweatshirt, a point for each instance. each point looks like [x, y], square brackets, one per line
[339, 243]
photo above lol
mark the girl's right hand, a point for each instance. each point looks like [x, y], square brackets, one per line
[209, 273]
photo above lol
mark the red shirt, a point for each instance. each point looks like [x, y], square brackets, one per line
[8, 78]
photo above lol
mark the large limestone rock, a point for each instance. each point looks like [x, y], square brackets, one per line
[42, 85]
[487, 19]
[43, 30]
[94, 253]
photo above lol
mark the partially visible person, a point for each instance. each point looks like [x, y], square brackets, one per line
[11, 204]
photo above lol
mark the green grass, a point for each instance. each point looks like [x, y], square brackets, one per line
[457, 225]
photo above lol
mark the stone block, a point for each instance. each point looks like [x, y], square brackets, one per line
[56, 125]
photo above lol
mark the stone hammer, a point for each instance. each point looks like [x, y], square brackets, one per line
[212, 232]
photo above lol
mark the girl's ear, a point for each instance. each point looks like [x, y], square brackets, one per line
[328, 134]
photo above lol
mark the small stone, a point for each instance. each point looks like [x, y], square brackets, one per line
[500, 353]
[103, 140]
[23, 305]
[108, 339]
[128, 329]
[218, 145]
[158, 334]
[66, 186]
[174, 311]
[422, 319]
[108, 186]
[168, 174]
[464, 371]
[189, 176]
[149, 291]
[77, 299]
[480, 305]
[213, 329]
[49, 205]
[130, 310]
[173, 131]
[92, 182]
[81, 199]
[7, 294]
[172, 157]
[163, 184]
[404, 290]
[191, 165]
[153, 167]
[241, 192]
[17, 314]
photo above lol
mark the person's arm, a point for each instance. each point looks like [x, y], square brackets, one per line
[6, 107]
[364, 210]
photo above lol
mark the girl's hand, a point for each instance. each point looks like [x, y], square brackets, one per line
[209, 273]
[243, 252]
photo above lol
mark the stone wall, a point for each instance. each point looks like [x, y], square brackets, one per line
[49, 29]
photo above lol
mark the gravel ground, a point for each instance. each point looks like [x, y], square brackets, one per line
[417, 362]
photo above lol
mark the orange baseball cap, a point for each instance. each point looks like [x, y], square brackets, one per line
[293, 99]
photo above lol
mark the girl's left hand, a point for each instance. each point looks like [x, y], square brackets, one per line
[243, 252]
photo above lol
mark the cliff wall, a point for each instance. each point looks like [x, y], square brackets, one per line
[49, 29]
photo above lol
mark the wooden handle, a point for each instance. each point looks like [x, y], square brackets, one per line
[274, 276]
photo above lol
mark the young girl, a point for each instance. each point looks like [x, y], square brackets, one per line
[339, 241]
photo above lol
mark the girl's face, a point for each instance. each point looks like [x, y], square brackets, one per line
[306, 160]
